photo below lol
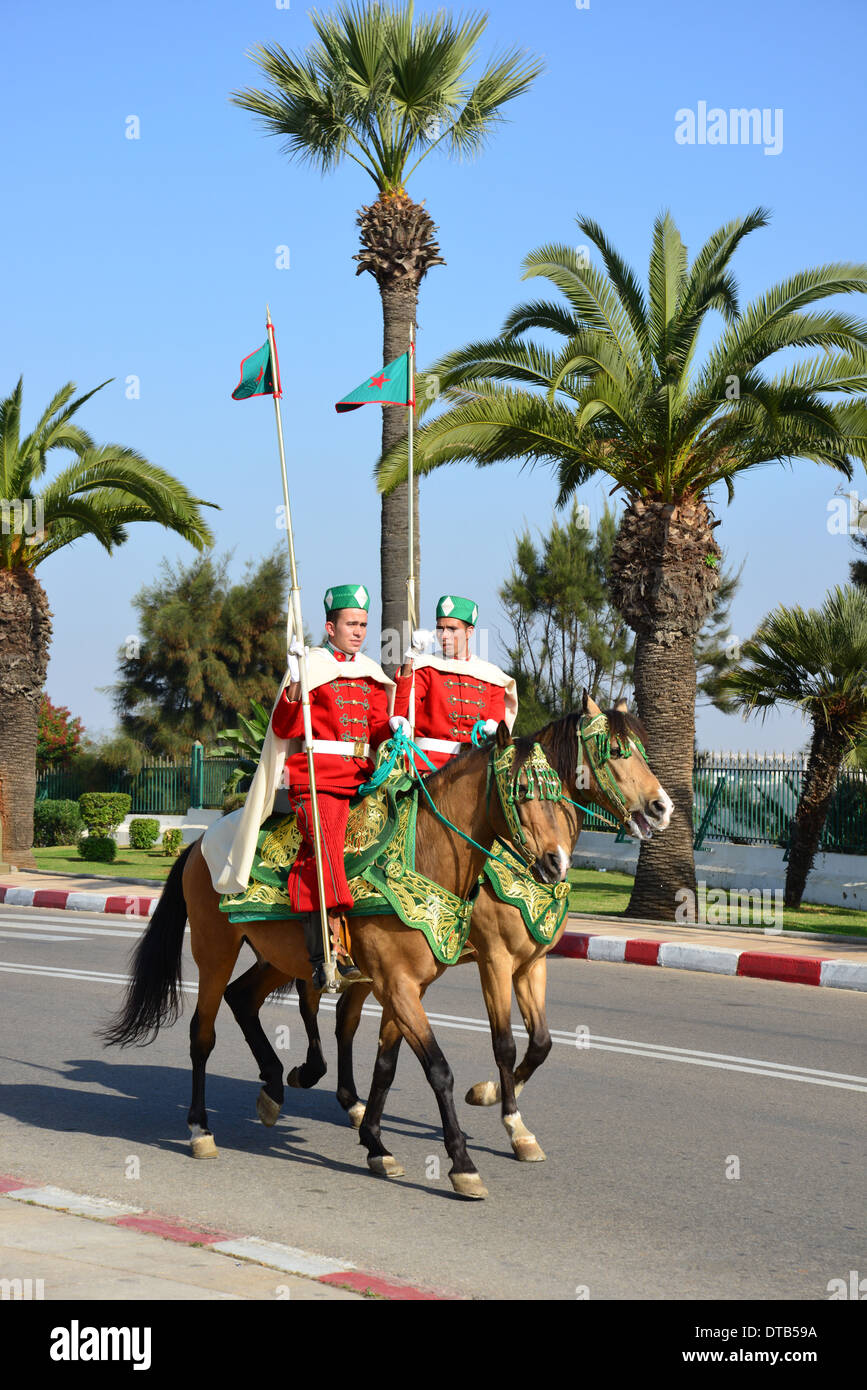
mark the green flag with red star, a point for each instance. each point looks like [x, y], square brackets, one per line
[390, 386]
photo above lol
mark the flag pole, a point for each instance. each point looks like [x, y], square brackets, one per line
[295, 620]
[412, 616]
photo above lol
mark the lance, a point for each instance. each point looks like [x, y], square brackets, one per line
[295, 622]
[412, 615]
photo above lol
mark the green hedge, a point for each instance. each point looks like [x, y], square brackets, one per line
[102, 812]
[172, 841]
[143, 833]
[56, 823]
[100, 848]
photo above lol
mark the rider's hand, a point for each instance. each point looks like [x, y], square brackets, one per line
[491, 726]
[397, 721]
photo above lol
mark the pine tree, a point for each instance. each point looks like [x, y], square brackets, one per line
[206, 649]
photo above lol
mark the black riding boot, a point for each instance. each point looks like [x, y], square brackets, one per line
[315, 948]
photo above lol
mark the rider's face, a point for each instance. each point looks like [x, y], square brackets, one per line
[453, 636]
[347, 629]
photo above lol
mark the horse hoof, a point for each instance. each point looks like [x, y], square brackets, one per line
[468, 1185]
[527, 1150]
[385, 1166]
[292, 1079]
[203, 1146]
[356, 1113]
[486, 1093]
[267, 1109]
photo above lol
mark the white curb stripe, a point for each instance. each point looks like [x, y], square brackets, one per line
[84, 902]
[19, 897]
[61, 1200]
[606, 948]
[845, 974]
[284, 1257]
[685, 956]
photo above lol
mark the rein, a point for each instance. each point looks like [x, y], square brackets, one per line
[536, 770]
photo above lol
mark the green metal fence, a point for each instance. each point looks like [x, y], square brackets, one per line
[747, 800]
[160, 788]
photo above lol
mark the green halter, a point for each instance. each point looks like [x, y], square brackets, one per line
[595, 741]
[535, 778]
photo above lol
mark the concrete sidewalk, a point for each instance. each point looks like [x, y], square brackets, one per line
[56, 1244]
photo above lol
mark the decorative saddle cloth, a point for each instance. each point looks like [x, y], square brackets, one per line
[543, 906]
[380, 867]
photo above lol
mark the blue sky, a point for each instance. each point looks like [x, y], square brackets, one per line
[154, 258]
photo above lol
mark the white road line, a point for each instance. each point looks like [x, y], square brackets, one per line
[659, 1052]
[33, 936]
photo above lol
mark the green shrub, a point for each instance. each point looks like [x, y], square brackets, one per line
[97, 847]
[102, 812]
[143, 833]
[56, 823]
[233, 802]
[172, 841]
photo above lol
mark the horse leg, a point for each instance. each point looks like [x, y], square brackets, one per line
[349, 1007]
[404, 1009]
[215, 958]
[530, 986]
[245, 997]
[379, 1160]
[495, 970]
[314, 1066]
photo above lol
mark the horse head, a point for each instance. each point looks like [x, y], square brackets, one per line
[611, 769]
[529, 804]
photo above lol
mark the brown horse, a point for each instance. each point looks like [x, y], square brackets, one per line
[397, 959]
[508, 957]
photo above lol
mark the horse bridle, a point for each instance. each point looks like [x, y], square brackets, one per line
[594, 738]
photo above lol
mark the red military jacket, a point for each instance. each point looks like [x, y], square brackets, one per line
[346, 709]
[447, 705]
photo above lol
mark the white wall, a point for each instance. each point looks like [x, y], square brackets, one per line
[839, 880]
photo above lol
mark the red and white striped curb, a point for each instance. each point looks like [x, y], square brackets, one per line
[271, 1254]
[718, 960]
[127, 904]
[678, 955]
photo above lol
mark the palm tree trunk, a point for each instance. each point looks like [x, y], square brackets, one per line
[826, 756]
[665, 696]
[399, 303]
[25, 632]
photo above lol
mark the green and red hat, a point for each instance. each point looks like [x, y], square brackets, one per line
[346, 596]
[453, 606]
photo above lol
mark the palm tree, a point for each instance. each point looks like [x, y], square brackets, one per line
[815, 660]
[384, 91]
[98, 494]
[621, 394]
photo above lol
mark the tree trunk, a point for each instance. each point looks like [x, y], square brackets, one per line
[663, 574]
[399, 302]
[665, 696]
[827, 751]
[25, 632]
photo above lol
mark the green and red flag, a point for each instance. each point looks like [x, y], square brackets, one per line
[257, 375]
[390, 386]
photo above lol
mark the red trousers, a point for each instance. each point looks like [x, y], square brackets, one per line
[302, 887]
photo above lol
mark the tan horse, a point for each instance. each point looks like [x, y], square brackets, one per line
[397, 959]
[508, 957]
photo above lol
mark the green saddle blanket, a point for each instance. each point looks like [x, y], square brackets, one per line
[543, 906]
[379, 857]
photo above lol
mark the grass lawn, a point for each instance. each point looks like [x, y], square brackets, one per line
[130, 863]
[608, 893]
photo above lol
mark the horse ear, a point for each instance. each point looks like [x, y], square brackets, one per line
[622, 706]
[503, 735]
[588, 706]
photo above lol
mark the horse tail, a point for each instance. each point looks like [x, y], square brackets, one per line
[153, 997]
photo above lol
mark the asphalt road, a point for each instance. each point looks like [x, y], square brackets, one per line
[708, 1143]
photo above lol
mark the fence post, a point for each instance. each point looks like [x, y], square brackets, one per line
[711, 807]
[197, 774]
